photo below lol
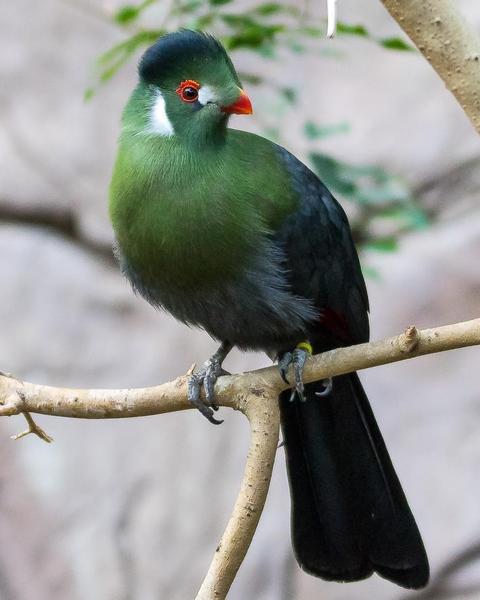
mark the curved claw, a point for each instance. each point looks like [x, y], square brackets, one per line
[194, 386]
[208, 414]
[299, 389]
[297, 393]
[328, 388]
[207, 376]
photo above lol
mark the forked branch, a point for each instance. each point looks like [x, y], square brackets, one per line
[255, 394]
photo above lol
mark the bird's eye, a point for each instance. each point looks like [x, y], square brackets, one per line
[189, 94]
[188, 90]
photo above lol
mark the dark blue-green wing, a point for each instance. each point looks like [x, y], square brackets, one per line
[322, 262]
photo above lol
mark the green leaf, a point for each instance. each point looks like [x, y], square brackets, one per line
[219, 2]
[126, 14]
[88, 94]
[315, 132]
[296, 47]
[110, 62]
[334, 174]
[251, 35]
[203, 22]
[269, 8]
[107, 73]
[395, 43]
[345, 29]
[408, 215]
[272, 8]
[248, 32]
[290, 94]
[312, 31]
[235, 20]
[266, 49]
[371, 272]
[127, 47]
[187, 7]
[385, 244]
[366, 185]
[250, 78]
[376, 192]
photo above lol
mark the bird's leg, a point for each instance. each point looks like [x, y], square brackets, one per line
[297, 359]
[206, 376]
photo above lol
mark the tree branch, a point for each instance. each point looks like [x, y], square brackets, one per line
[261, 409]
[233, 391]
[254, 394]
[449, 44]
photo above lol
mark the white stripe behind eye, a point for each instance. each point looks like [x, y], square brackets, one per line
[160, 123]
[206, 94]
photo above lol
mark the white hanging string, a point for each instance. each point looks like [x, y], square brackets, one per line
[332, 18]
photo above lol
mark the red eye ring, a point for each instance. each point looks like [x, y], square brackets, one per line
[188, 90]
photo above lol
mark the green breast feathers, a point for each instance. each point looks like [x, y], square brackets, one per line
[188, 217]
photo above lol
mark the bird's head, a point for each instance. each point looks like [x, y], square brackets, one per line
[189, 87]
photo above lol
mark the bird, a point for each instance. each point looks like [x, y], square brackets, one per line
[230, 232]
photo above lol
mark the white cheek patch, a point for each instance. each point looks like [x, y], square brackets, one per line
[206, 94]
[160, 123]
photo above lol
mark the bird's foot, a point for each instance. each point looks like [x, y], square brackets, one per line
[297, 359]
[206, 377]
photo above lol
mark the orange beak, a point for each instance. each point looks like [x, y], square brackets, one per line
[242, 106]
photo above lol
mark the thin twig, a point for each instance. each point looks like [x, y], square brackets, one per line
[34, 429]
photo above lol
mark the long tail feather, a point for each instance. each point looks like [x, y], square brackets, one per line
[350, 516]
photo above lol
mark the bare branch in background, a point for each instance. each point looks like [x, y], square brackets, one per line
[452, 193]
[62, 221]
[255, 394]
[449, 44]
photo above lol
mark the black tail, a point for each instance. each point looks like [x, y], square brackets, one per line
[350, 516]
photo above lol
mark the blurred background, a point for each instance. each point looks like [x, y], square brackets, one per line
[133, 509]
